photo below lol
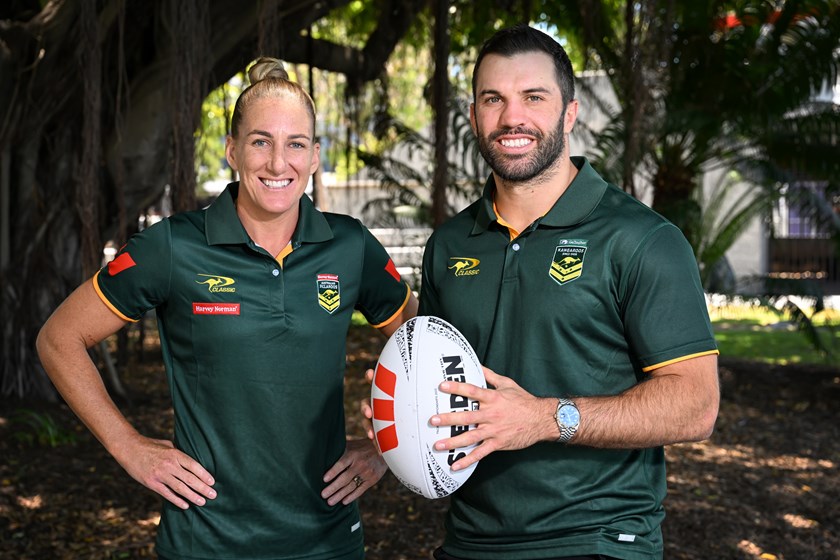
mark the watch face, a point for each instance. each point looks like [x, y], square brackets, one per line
[568, 415]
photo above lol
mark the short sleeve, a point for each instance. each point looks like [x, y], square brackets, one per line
[383, 293]
[429, 301]
[137, 280]
[664, 307]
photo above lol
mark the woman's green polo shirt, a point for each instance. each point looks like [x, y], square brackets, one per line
[255, 355]
[591, 296]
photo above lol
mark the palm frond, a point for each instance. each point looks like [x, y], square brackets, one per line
[726, 214]
[404, 169]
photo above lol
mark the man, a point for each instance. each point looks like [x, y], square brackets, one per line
[591, 306]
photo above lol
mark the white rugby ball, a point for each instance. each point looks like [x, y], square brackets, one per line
[422, 353]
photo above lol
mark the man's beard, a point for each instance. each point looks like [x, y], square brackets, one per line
[523, 167]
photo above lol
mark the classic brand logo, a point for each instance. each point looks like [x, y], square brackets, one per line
[216, 283]
[567, 264]
[464, 266]
[329, 292]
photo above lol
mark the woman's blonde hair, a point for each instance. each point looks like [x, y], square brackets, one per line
[269, 79]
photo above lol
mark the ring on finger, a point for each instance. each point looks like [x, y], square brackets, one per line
[358, 480]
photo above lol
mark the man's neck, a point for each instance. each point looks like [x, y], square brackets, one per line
[521, 203]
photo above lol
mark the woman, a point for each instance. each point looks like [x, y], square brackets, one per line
[253, 298]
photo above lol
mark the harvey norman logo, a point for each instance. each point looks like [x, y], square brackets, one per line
[216, 283]
[464, 266]
[215, 309]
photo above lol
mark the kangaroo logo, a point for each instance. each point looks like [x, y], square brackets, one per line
[464, 266]
[216, 283]
[329, 292]
[567, 264]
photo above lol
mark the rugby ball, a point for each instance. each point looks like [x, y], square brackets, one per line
[422, 353]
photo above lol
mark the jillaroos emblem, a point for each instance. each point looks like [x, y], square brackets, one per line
[567, 264]
[329, 292]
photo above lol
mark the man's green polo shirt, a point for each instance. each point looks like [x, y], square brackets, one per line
[591, 296]
[255, 355]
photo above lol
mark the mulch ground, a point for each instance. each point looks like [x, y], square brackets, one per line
[765, 486]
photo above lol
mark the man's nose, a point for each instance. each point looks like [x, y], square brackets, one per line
[513, 114]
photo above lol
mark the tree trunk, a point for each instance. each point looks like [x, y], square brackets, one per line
[5, 197]
[440, 104]
[674, 187]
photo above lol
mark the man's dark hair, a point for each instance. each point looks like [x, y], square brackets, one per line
[523, 39]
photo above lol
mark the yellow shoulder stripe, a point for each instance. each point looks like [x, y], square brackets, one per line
[680, 359]
[398, 311]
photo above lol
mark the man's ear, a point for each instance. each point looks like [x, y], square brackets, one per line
[571, 116]
[472, 119]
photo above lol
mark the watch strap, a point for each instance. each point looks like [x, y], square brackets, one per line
[567, 432]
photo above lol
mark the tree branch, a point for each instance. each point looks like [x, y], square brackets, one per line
[359, 65]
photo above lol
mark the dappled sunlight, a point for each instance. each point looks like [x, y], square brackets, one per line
[750, 457]
[120, 517]
[775, 488]
[799, 522]
[797, 463]
[152, 521]
[793, 476]
[748, 547]
[113, 515]
[32, 502]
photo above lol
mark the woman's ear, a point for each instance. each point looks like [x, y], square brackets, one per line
[230, 152]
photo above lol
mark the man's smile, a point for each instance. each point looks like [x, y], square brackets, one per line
[515, 142]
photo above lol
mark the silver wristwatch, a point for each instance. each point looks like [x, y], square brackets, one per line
[568, 419]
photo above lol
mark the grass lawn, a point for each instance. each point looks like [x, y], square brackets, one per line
[753, 333]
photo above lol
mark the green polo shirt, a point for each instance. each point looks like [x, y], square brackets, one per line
[591, 296]
[255, 355]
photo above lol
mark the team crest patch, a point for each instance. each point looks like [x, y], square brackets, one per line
[567, 264]
[329, 292]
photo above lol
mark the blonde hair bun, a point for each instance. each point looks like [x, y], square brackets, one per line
[269, 80]
[267, 68]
